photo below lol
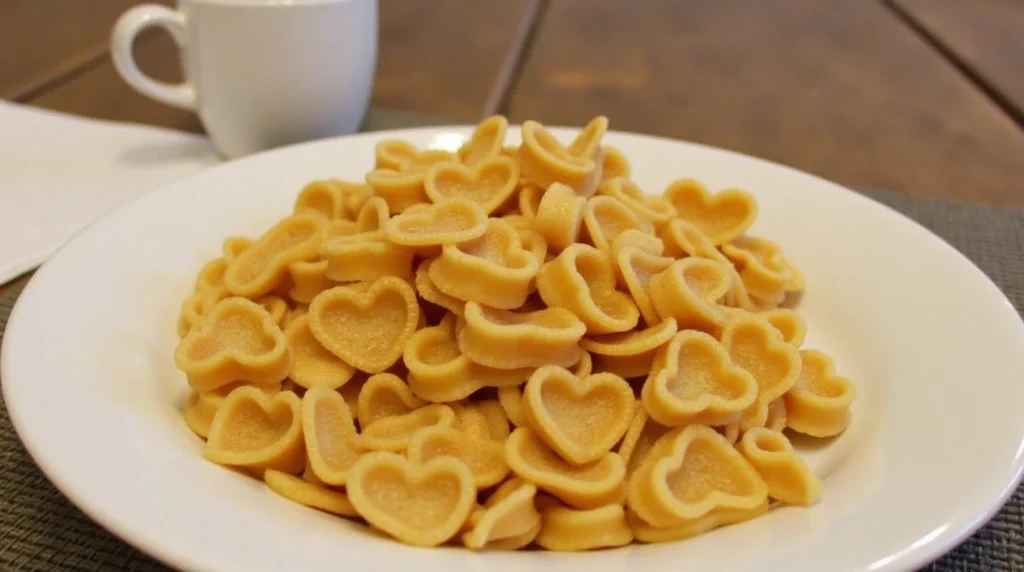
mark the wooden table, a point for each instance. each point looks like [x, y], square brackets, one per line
[916, 96]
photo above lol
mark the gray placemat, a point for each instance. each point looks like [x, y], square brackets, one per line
[41, 530]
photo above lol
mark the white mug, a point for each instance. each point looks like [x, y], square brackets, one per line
[261, 73]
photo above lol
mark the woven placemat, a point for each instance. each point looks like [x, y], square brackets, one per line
[41, 530]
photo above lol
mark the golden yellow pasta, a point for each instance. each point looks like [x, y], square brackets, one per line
[521, 325]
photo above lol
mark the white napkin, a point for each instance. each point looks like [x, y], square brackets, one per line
[60, 172]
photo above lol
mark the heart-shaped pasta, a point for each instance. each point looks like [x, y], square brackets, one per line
[366, 329]
[420, 504]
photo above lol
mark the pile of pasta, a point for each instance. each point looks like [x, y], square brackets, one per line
[506, 347]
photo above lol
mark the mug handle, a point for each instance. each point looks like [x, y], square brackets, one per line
[128, 26]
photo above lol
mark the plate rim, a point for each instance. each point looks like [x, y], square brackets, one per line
[937, 546]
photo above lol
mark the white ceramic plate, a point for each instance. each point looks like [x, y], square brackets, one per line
[936, 352]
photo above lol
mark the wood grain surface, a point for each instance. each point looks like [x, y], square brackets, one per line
[43, 40]
[445, 57]
[850, 90]
[449, 57]
[984, 36]
[99, 91]
[843, 89]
